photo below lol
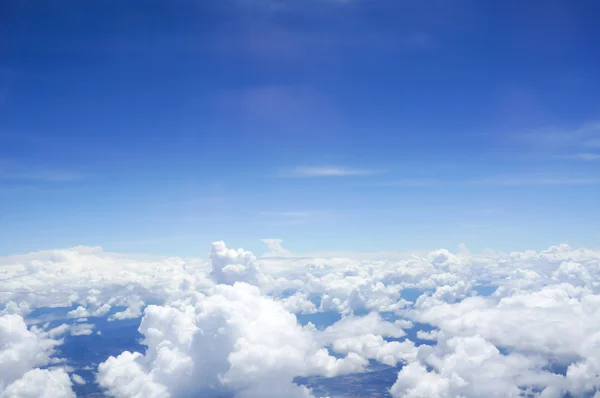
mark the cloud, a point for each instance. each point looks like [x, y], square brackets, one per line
[82, 329]
[229, 324]
[275, 248]
[93, 280]
[318, 36]
[469, 367]
[577, 143]
[82, 313]
[365, 336]
[287, 217]
[555, 306]
[273, 110]
[22, 352]
[523, 180]
[290, 214]
[414, 183]
[20, 174]
[134, 305]
[299, 303]
[355, 326]
[230, 266]
[328, 171]
[585, 156]
[232, 342]
[41, 383]
[22, 349]
[78, 379]
[283, 5]
[418, 41]
[539, 180]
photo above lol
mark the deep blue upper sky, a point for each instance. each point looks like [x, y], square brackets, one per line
[159, 126]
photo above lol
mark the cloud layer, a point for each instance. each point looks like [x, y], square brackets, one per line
[22, 351]
[497, 324]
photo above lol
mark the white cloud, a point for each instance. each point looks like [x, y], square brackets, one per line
[586, 156]
[365, 336]
[372, 346]
[470, 367]
[93, 280]
[21, 308]
[584, 136]
[299, 303]
[126, 314]
[328, 171]
[230, 266]
[545, 320]
[39, 176]
[431, 335]
[354, 326]
[82, 329]
[82, 313]
[78, 379]
[544, 312]
[534, 180]
[233, 341]
[38, 383]
[124, 377]
[134, 305]
[22, 351]
[58, 331]
[519, 180]
[291, 214]
[275, 248]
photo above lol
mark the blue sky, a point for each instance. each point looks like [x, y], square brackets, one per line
[335, 125]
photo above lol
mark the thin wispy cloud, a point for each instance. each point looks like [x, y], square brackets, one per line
[279, 107]
[585, 156]
[155, 240]
[418, 40]
[581, 143]
[298, 217]
[40, 176]
[287, 214]
[274, 41]
[538, 181]
[412, 183]
[498, 181]
[328, 171]
[284, 218]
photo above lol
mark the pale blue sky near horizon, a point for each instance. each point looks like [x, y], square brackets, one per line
[334, 125]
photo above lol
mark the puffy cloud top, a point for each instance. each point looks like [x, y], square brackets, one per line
[21, 351]
[232, 342]
[498, 324]
[230, 266]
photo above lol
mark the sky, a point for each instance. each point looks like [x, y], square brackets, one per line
[334, 125]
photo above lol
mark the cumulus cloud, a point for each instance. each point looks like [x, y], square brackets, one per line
[233, 341]
[365, 336]
[38, 383]
[22, 352]
[93, 280]
[82, 329]
[497, 324]
[134, 304]
[230, 266]
[470, 367]
[299, 304]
